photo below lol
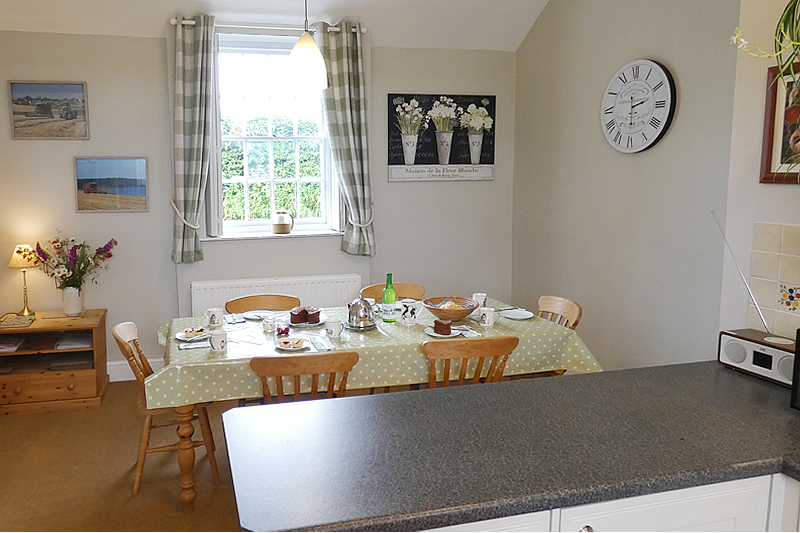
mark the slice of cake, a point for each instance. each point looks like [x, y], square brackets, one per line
[441, 327]
[298, 315]
[312, 315]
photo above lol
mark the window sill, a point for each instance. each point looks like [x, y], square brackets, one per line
[269, 235]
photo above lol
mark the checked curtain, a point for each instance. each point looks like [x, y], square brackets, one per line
[346, 111]
[197, 140]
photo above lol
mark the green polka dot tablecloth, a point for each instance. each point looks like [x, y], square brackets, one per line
[388, 355]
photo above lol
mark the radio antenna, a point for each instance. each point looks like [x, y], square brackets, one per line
[749, 290]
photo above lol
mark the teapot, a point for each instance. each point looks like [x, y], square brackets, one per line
[282, 222]
[360, 314]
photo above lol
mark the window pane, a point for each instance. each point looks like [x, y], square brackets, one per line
[284, 159]
[309, 126]
[259, 200]
[257, 159]
[285, 197]
[309, 158]
[230, 128]
[232, 159]
[233, 201]
[282, 126]
[258, 126]
[310, 193]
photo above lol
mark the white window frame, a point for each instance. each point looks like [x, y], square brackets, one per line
[245, 39]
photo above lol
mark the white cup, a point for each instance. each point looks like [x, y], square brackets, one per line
[480, 297]
[215, 317]
[488, 316]
[219, 340]
[409, 310]
[333, 327]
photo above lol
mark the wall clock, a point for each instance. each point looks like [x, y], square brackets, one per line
[638, 106]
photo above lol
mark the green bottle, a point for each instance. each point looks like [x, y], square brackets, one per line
[389, 298]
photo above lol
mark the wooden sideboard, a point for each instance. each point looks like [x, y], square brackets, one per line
[61, 364]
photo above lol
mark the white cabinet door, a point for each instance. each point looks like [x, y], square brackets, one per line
[740, 505]
[539, 521]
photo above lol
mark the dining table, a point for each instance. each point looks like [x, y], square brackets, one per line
[389, 355]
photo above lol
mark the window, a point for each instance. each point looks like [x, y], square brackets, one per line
[275, 151]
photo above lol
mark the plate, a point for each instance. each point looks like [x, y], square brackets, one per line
[181, 336]
[453, 333]
[279, 347]
[516, 314]
[322, 319]
[353, 328]
[258, 314]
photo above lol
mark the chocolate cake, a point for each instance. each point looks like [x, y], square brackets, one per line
[298, 315]
[441, 327]
[303, 315]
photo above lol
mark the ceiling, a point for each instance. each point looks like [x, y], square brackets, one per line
[458, 24]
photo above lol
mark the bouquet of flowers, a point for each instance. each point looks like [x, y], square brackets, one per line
[410, 118]
[70, 263]
[476, 119]
[444, 113]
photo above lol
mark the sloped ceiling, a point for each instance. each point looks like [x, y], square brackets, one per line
[457, 24]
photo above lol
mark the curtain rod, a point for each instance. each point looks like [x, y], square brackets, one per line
[232, 25]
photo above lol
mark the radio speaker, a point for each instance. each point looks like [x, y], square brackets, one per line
[759, 354]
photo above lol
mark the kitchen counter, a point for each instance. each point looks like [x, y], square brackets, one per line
[431, 458]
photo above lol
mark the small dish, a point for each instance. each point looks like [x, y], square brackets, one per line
[516, 314]
[453, 333]
[281, 344]
[181, 336]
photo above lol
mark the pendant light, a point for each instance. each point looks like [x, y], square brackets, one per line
[309, 66]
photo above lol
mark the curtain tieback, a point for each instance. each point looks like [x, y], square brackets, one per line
[367, 223]
[180, 216]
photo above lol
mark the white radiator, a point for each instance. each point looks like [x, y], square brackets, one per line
[318, 291]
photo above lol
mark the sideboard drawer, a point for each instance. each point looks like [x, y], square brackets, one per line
[48, 386]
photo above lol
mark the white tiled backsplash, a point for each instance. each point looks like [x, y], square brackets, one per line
[775, 278]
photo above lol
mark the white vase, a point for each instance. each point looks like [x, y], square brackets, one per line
[73, 301]
[475, 145]
[409, 148]
[444, 140]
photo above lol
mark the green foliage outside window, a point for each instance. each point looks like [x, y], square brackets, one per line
[232, 159]
[259, 200]
[233, 201]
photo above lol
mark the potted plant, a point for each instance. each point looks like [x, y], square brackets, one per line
[444, 114]
[410, 120]
[476, 120]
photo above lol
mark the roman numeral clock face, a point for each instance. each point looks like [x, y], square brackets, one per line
[638, 106]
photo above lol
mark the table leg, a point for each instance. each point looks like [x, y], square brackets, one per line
[185, 431]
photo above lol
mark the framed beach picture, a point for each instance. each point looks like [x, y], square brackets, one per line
[48, 110]
[111, 184]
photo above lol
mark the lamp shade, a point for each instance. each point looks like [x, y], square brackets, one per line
[18, 260]
[310, 73]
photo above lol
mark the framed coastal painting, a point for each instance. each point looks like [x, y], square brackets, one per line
[49, 110]
[111, 184]
[441, 137]
[780, 147]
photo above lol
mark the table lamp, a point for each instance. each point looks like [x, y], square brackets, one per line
[18, 260]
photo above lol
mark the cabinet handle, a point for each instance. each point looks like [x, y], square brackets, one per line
[18, 390]
[586, 528]
[71, 387]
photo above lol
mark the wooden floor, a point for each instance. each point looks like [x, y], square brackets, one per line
[73, 471]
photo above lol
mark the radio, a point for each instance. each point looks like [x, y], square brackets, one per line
[758, 353]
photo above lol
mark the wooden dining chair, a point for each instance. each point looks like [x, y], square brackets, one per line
[127, 336]
[403, 290]
[560, 310]
[296, 366]
[495, 349]
[256, 302]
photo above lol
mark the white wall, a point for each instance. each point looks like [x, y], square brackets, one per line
[452, 237]
[629, 237]
[457, 241]
[749, 201]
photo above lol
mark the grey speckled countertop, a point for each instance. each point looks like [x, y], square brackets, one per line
[431, 458]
